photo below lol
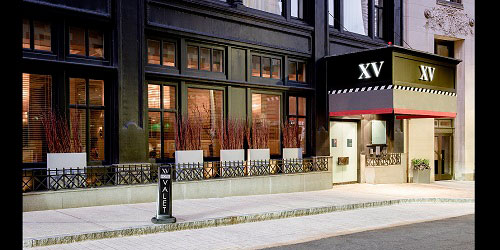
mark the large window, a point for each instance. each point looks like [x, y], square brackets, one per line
[37, 95]
[161, 52]
[271, 6]
[297, 113]
[204, 58]
[86, 42]
[355, 16]
[266, 67]
[161, 120]
[37, 35]
[209, 104]
[86, 107]
[268, 108]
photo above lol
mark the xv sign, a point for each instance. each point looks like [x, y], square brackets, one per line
[427, 73]
[365, 74]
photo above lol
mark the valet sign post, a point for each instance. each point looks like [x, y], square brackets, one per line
[164, 201]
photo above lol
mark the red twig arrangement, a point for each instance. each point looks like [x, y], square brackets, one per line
[187, 130]
[60, 138]
[231, 133]
[291, 134]
[257, 134]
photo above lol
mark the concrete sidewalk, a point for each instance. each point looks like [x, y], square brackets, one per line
[77, 224]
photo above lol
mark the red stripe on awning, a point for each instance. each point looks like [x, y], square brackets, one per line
[362, 112]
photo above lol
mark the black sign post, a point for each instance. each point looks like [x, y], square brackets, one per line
[164, 201]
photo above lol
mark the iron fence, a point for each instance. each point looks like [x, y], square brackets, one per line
[384, 159]
[41, 179]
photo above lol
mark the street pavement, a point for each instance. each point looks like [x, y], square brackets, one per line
[455, 233]
[75, 221]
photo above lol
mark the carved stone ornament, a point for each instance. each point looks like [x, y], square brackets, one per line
[450, 21]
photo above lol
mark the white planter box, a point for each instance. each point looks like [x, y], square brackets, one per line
[74, 161]
[191, 157]
[258, 154]
[234, 158]
[292, 153]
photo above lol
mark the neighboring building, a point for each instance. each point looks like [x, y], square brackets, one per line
[126, 69]
[446, 28]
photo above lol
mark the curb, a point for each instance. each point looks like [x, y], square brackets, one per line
[224, 221]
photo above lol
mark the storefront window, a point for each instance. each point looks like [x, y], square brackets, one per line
[153, 52]
[355, 16]
[297, 113]
[192, 57]
[210, 59]
[266, 67]
[268, 108]
[88, 114]
[37, 95]
[271, 6]
[205, 59]
[96, 44]
[256, 66]
[296, 71]
[209, 104]
[217, 60]
[161, 119]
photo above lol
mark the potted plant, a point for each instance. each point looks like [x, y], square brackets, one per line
[188, 152]
[231, 135]
[292, 152]
[65, 151]
[257, 135]
[421, 170]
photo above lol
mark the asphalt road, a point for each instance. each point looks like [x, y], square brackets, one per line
[454, 233]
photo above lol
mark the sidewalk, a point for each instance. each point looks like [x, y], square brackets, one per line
[76, 224]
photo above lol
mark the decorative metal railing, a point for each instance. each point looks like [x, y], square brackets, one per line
[41, 179]
[384, 159]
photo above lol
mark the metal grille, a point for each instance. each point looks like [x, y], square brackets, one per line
[384, 159]
[41, 179]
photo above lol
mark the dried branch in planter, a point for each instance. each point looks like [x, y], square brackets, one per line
[258, 134]
[58, 135]
[187, 132]
[291, 134]
[231, 133]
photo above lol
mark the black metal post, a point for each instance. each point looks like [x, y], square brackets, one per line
[164, 201]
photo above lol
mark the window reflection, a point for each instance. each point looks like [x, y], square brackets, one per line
[267, 107]
[42, 35]
[355, 16]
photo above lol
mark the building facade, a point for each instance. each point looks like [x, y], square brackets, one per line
[122, 71]
[447, 28]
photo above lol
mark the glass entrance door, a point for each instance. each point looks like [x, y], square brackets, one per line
[443, 157]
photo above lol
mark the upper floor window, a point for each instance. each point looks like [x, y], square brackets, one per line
[296, 71]
[444, 48]
[271, 6]
[161, 52]
[204, 58]
[379, 18]
[266, 67]
[86, 42]
[297, 8]
[37, 35]
[355, 16]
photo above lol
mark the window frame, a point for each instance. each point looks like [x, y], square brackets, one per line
[297, 61]
[266, 80]
[205, 73]
[162, 41]
[105, 54]
[53, 39]
[185, 107]
[87, 107]
[306, 117]
[281, 94]
[162, 111]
